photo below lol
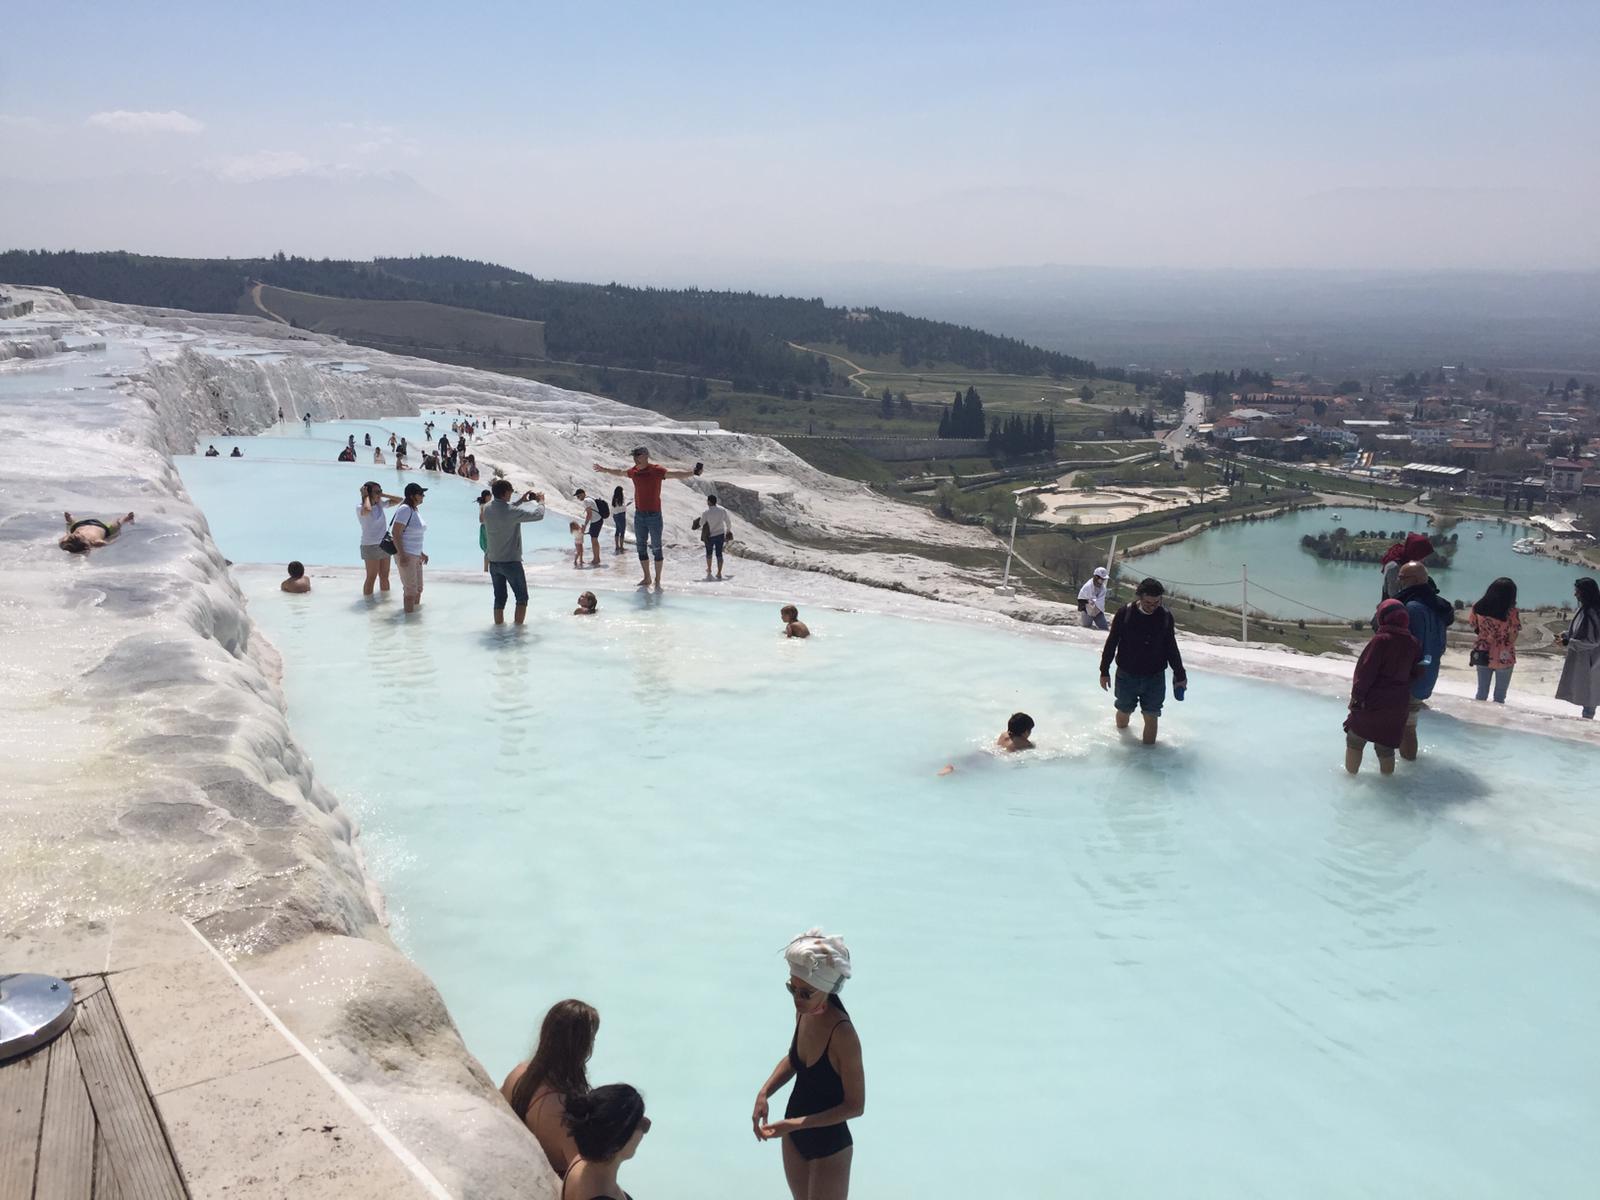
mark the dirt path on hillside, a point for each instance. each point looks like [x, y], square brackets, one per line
[255, 298]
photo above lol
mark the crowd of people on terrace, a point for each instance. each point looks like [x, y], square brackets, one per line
[588, 1133]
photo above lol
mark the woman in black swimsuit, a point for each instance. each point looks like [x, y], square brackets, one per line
[607, 1126]
[824, 1060]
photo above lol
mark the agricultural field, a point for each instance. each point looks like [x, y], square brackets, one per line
[401, 325]
[936, 383]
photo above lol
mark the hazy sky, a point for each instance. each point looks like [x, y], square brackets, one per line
[654, 141]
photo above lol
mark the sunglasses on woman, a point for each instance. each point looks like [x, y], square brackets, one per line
[800, 993]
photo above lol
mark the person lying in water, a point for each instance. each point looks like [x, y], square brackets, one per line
[297, 581]
[83, 536]
[1018, 735]
[588, 605]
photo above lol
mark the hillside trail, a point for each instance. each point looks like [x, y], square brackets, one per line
[255, 298]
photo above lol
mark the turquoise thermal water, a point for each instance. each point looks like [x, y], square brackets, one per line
[1209, 564]
[290, 498]
[1218, 967]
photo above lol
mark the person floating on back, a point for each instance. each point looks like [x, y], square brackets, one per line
[1018, 735]
[1144, 642]
[1380, 693]
[297, 581]
[647, 523]
[91, 532]
[588, 605]
[793, 626]
[1430, 615]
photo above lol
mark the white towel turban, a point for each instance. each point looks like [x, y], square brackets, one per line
[822, 960]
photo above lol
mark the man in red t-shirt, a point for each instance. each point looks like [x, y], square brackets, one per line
[647, 479]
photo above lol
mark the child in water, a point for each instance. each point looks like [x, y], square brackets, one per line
[576, 530]
[588, 605]
[1018, 735]
[297, 581]
[793, 626]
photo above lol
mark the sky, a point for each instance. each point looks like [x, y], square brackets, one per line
[709, 142]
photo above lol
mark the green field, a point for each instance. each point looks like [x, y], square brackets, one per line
[413, 325]
[936, 383]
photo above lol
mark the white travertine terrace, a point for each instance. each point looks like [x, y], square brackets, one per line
[148, 762]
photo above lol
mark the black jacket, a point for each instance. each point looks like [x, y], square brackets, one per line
[1143, 645]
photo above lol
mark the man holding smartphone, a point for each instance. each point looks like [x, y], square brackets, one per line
[647, 479]
[502, 520]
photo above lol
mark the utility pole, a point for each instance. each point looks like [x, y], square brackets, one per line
[1005, 588]
[1244, 608]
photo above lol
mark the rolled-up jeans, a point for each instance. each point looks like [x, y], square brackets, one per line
[714, 546]
[647, 527]
[508, 574]
[1502, 681]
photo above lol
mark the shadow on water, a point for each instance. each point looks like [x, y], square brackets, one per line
[508, 637]
[1428, 786]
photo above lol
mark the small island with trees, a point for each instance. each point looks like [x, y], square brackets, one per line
[1369, 545]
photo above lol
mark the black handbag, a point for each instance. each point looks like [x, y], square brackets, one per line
[1479, 657]
[387, 544]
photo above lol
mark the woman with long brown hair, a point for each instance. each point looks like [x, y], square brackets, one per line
[538, 1089]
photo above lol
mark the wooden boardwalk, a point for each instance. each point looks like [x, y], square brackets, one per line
[77, 1120]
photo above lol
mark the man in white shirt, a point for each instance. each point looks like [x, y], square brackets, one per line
[716, 528]
[1092, 600]
[593, 522]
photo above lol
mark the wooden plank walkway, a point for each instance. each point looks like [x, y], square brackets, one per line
[77, 1120]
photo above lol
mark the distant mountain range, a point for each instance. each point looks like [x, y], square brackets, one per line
[740, 336]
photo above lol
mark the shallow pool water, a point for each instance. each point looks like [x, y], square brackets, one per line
[1207, 566]
[1219, 967]
[290, 497]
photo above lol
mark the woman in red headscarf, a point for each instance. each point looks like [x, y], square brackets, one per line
[1416, 548]
[1381, 691]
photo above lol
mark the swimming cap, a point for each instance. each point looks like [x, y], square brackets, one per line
[822, 960]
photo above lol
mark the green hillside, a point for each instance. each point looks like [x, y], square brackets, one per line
[415, 326]
[755, 342]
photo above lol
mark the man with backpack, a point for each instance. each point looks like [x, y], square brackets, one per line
[595, 514]
[1144, 642]
[1430, 615]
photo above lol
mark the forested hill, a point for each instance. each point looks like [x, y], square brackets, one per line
[735, 335]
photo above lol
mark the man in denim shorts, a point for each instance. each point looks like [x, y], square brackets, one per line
[1144, 642]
